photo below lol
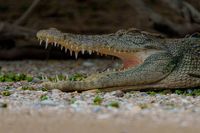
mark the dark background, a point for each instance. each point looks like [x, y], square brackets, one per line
[21, 19]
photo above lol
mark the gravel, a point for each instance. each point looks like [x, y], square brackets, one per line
[169, 108]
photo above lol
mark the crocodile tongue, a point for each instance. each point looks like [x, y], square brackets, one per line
[129, 63]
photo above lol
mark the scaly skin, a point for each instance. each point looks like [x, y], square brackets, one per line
[150, 61]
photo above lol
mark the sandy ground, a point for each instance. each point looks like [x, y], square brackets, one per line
[57, 123]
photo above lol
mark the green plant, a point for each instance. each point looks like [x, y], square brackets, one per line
[6, 93]
[114, 104]
[98, 91]
[44, 89]
[43, 97]
[72, 100]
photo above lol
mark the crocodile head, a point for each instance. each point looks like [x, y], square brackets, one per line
[147, 59]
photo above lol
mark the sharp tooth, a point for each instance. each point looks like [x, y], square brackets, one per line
[71, 52]
[102, 47]
[67, 77]
[42, 78]
[83, 50]
[71, 46]
[119, 70]
[128, 67]
[41, 41]
[76, 47]
[97, 76]
[76, 55]
[61, 47]
[83, 79]
[124, 51]
[114, 50]
[57, 78]
[55, 43]
[78, 79]
[46, 77]
[63, 80]
[119, 51]
[128, 50]
[87, 74]
[97, 49]
[65, 50]
[102, 73]
[101, 54]
[124, 68]
[97, 53]
[58, 45]
[66, 43]
[131, 51]
[46, 43]
[90, 78]
[113, 70]
[109, 48]
[108, 70]
[72, 79]
[38, 39]
[90, 52]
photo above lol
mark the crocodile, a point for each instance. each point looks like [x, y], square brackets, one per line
[150, 61]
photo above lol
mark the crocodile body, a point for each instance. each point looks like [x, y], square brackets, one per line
[150, 61]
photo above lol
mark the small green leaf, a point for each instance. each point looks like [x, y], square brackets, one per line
[31, 89]
[2, 79]
[114, 104]
[11, 75]
[24, 88]
[17, 78]
[132, 92]
[8, 88]
[6, 93]
[98, 91]
[29, 79]
[72, 100]
[43, 97]
[143, 106]
[44, 89]
[97, 99]
[179, 92]
[22, 76]
[8, 80]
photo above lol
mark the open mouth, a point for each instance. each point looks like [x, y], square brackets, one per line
[130, 58]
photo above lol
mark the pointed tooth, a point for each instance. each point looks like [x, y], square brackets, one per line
[124, 68]
[83, 50]
[63, 80]
[46, 43]
[132, 51]
[76, 47]
[114, 50]
[128, 67]
[66, 43]
[90, 52]
[124, 51]
[65, 50]
[109, 48]
[97, 49]
[102, 73]
[76, 55]
[119, 70]
[101, 54]
[83, 79]
[97, 53]
[41, 41]
[71, 52]
[73, 79]
[87, 74]
[57, 78]
[38, 39]
[108, 70]
[42, 78]
[90, 78]
[113, 70]
[78, 79]
[67, 77]
[58, 45]
[119, 51]
[61, 47]
[128, 50]
[71, 46]
[55, 43]
[46, 77]
[97, 76]
[102, 47]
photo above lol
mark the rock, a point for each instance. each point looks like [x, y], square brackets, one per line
[174, 95]
[35, 80]
[19, 88]
[143, 94]
[97, 109]
[119, 93]
[88, 63]
[47, 102]
[136, 109]
[80, 102]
